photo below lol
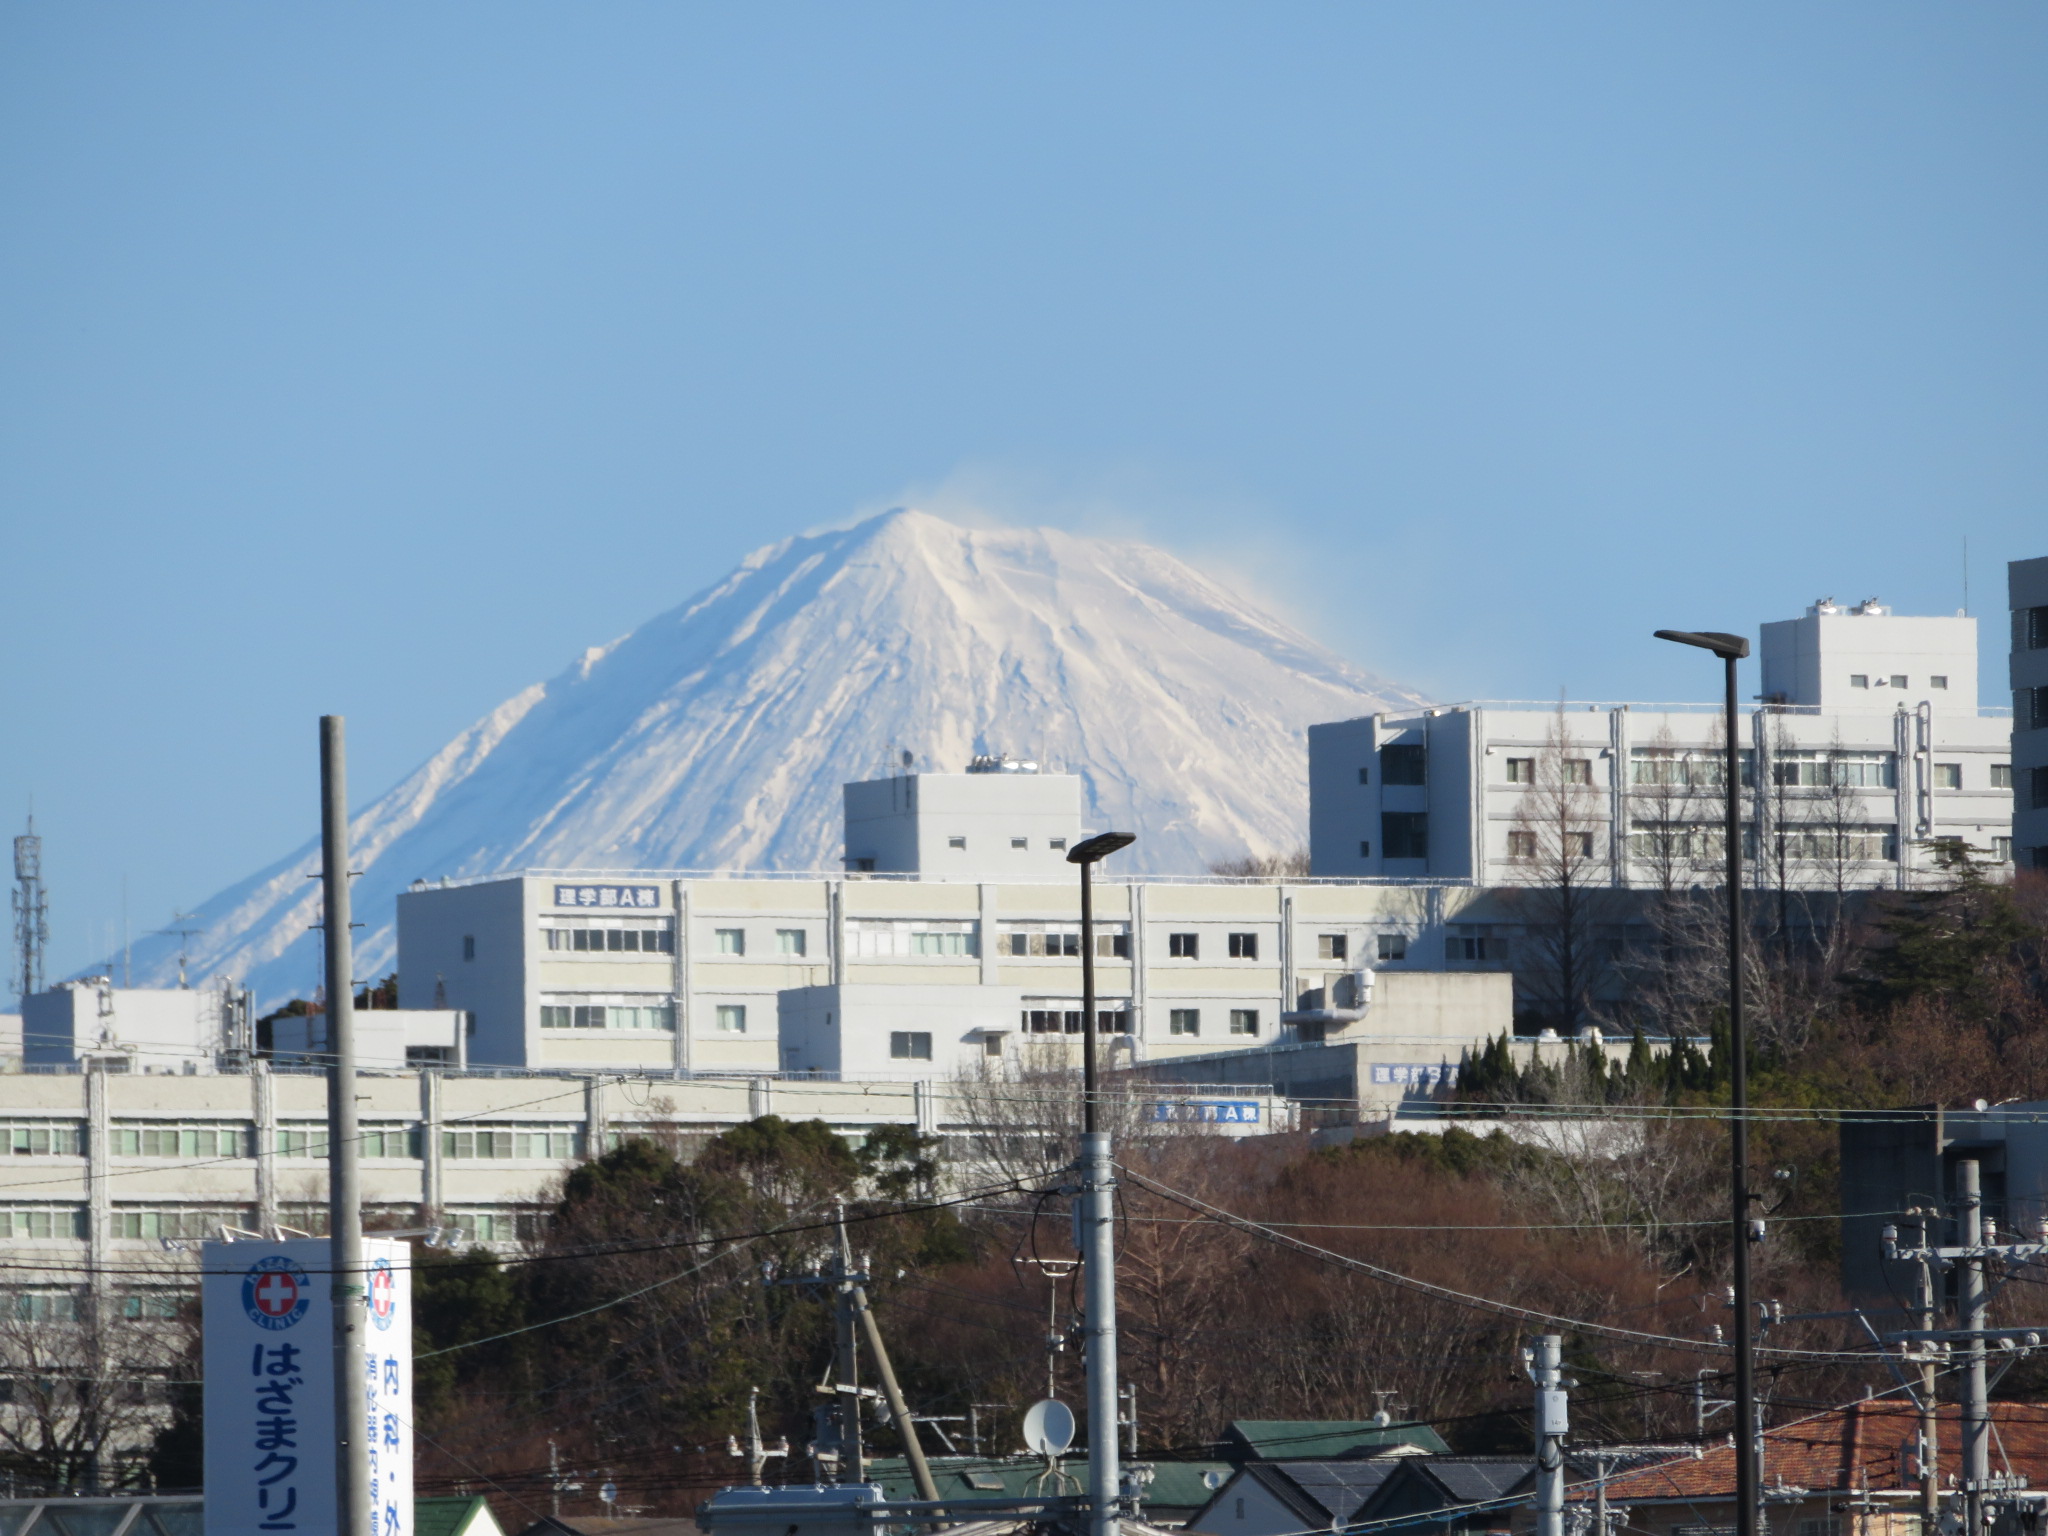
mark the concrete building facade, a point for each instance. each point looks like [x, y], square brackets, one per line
[2027, 582]
[1866, 750]
[856, 976]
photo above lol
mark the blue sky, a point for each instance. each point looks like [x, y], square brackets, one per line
[378, 358]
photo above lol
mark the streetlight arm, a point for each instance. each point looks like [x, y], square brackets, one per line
[1727, 646]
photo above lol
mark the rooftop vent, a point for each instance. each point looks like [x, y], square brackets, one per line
[1000, 762]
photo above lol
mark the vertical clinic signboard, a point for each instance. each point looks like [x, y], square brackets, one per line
[268, 1317]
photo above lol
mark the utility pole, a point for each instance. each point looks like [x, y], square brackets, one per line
[1552, 1424]
[851, 1462]
[756, 1453]
[1930, 1403]
[1976, 1406]
[899, 1410]
[352, 1490]
[1971, 1255]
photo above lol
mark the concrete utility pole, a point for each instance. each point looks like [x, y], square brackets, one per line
[892, 1394]
[1930, 1401]
[352, 1491]
[1976, 1394]
[1552, 1424]
[852, 1465]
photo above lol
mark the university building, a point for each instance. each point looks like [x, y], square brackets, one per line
[1865, 752]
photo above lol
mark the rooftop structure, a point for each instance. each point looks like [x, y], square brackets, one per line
[1002, 819]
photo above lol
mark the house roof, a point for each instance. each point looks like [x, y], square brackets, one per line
[1175, 1484]
[1322, 1439]
[456, 1515]
[1336, 1489]
[1869, 1443]
[1420, 1486]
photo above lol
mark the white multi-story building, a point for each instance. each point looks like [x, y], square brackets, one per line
[134, 1029]
[854, 976]
[2028, 583]
[959, 947]
[1865, 749]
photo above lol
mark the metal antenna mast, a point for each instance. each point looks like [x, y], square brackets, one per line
[31, 911]
[183, 929]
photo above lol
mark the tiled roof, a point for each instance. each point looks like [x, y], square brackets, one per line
[1867, 1444]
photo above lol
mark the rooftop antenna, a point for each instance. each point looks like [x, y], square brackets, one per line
[182, 928]
[31, 911]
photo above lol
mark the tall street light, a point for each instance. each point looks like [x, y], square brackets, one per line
[1731, 649]
[1097, 1214]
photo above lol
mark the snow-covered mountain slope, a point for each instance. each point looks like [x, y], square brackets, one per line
[717, 735]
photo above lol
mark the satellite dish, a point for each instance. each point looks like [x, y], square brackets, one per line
[1212, 1480]
[1049, 1427]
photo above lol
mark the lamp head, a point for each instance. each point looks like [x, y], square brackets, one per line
[1728, 647]
[1093, 850]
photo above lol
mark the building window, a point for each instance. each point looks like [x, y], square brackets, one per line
[1938, 681]
[42, 1138]
[1056, 941]
[2034, 628]
[732, 1018]
[136, 1139]
[1112, 1021]
[1052, 1021]
[1898, 680]
[594, 936]
[1184, 946]
[2001, 849]
[1365, 775]
[1578, 770]
[1393, 946]
[1948, 775]
[863, 866]
[1578, 845]
[1112, 946]
[1244, 946]
[1244, 1021]
[1680, 768]
[992, 1044]
[2038, 777]
[1521, 770]
[469, 946]
[789, 941]
[2030, 709]
[632, 1013]
[1521, 846]
[1846, 770]
[1365, 850]
[910, 1045]
[2001, 775]
[732, 941]
[1020, 842]
[1332, 946]
[1475, 950]
[179, 1223]
[905, 938]
[550, 1143]
[1405, 834]
[956, 842]
[43, 1221]
[1402, 764]
[1859, 680]
[1057, 844]
[1184, 1021]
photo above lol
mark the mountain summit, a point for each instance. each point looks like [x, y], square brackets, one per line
[717, 735]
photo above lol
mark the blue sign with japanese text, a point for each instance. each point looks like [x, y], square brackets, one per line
[641, 898]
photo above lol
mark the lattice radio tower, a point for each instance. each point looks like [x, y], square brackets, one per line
[31, 912]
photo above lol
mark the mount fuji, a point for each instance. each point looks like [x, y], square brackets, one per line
[717, 735]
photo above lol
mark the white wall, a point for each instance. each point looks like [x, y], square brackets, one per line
[1813, 660]
[153, 1031]
[909, 824]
